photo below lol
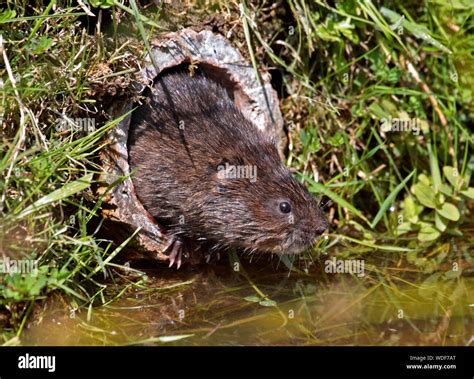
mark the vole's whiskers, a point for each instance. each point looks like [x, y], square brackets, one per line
[327, 204]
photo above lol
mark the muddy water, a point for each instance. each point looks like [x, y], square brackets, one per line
[265, 304]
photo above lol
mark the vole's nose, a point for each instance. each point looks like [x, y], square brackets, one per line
[321, 228]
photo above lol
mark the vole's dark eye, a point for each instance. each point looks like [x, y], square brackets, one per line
[285, 207]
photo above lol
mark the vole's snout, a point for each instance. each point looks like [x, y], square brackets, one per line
[321, 228]
[323, 223]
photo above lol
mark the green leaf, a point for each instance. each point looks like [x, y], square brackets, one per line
[336, 140]
[390, 199]
[35, 286]
[428, 233]
[440, 199]
[7, 15]
[410, 208]
[424, 194]
[418, 30]
[389, 106]
[422, 178]
[440, 222]
[453, 176]
[403, 228]
[41, 45]
[445, 189]
[377, 111]
[253, 299]
[64, 192]
[268, 303]
[469, 193]
[449, 211]
[325, 34]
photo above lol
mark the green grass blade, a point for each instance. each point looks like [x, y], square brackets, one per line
[419, 31]
[375, 246]
[163, 339]
[435, 173]
[60, 194]
[119, 248]
[389, 200]
[318, 187]
[141, 17]
[136, 14]
[39, 21]
[248, 39]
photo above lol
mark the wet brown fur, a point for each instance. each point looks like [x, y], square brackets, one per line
[178, 138]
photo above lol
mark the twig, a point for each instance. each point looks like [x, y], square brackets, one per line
[434, 103]
[23, 112]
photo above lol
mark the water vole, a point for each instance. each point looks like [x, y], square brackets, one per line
[210, 177]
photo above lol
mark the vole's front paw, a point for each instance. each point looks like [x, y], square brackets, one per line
[174, 248]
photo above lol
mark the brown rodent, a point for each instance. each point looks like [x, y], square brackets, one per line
[187, 143]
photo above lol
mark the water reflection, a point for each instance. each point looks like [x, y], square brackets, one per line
[217, 306]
